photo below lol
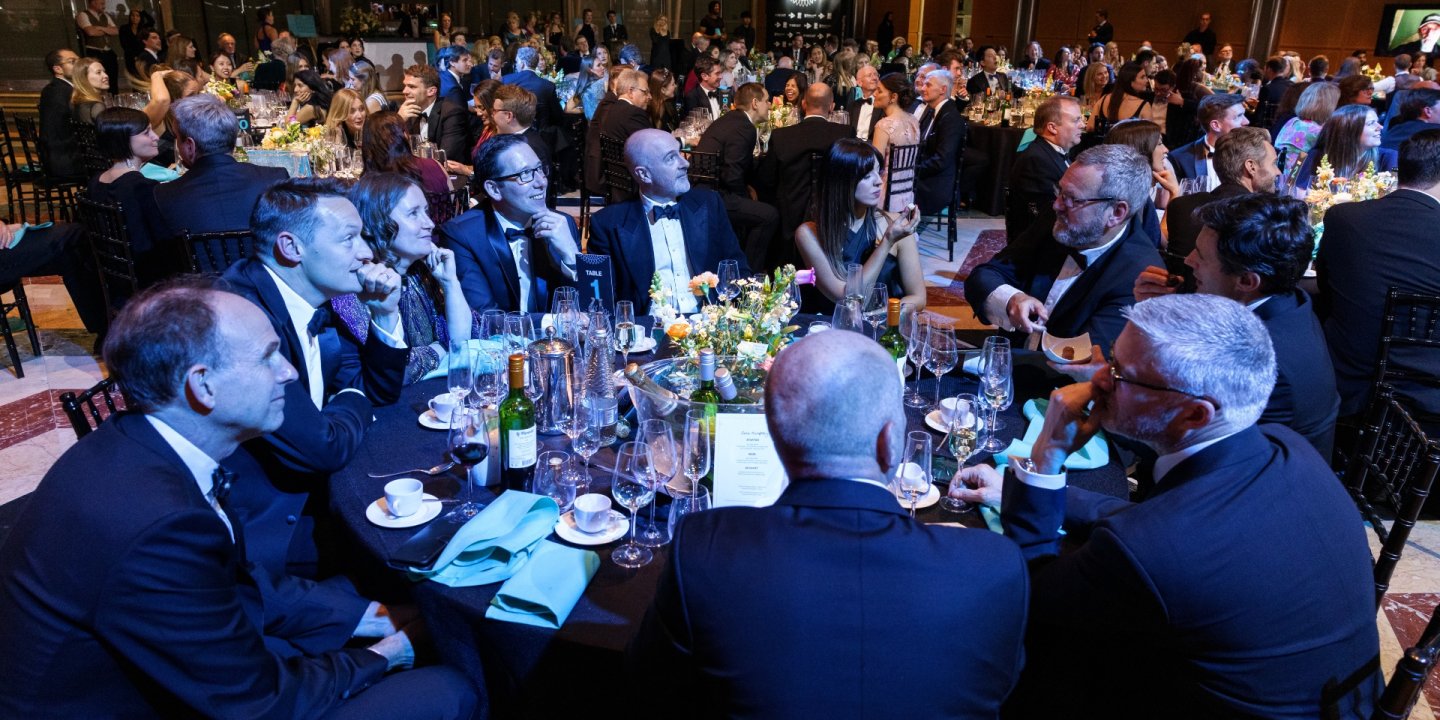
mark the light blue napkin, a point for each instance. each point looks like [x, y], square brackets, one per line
[20, 234]
[992, 519]
[1096, 453]
[495, 543]
[158, 173]
[443, 368]
[545, 589]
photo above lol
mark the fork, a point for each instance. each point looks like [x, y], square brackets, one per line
[432, 471]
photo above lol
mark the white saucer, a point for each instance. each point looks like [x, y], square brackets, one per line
[429, 420]
[566, 529]
[933, 420]
[379, 513]
[930, 497]
[644, 344]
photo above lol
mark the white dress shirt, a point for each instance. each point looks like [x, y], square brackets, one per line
[201, 466]
[996, 303]
[667, 241]
[300, 312]
[1212, 180]
[862, 118]
[714, 102]
[425, 121]
[520, 251]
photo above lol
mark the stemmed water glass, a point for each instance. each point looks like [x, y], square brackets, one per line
[664, 458]
[469, 445]
[492, 325]
[912, 478]
[625, 328]
[583, 429]
[491, 383]
[459, 364]
[916, 349]
[942, 355]
[995, 387]
[963, 439]
[696, 448]
[630, 485]
[519, 332]
[729, 273]
[877, 303]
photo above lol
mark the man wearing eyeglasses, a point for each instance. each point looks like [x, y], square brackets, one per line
[618, 116]
[511, 250]
[1241, 586]
[1075, 276]
[513, 112]
[55, 133]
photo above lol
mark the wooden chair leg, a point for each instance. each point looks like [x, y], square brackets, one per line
[11, 346]
[22, 303]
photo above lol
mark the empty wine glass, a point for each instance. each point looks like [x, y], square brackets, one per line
[625, 328]
[631, 487]
[963, 439]
[519, 332]
[469, 445]
[458, 378]
[584, 430]
[492, 325]
[728, 273]
[916, 349]
[491, 383]
[912, 477]
[550, 479]
[876, 305]
[942, 356]
[664, 460]
[534, 381]
[995, 387]
[696, 448]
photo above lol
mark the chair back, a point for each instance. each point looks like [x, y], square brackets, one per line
[705, 169]
[619, 184]
[1392, 469]
[9, 162]
[1409, 354]
[818, 159]
[105, 229]
[84, 413]
[28, 129]
[900, 177]
[444, 206]
[88, 148]
[214, 252]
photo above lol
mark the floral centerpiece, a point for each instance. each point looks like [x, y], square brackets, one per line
[234, 99]
[1374, 72]
[753, 325]
[1327, 190]
[760, 63]
[358, 21]
[290, 136]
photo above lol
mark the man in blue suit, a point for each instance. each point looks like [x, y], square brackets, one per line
[217, 193]
[672, 229]
[1218, 114]
[134, 604]
[548, 110]
[455, 62]
[832, 602]
[511, 250]
[1241, 587]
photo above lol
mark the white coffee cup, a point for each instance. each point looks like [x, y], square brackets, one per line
[443, 405]
[404, 496]
[592, 512]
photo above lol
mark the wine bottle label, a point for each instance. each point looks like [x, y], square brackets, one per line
[520, 448]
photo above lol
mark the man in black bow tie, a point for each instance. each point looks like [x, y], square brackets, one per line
[1218, 114]
[511, 250]
[673, 230]
[1077, 275]
[733, 138]
[1038, 169]
[862, 111]
[140, 604]
[706, 93]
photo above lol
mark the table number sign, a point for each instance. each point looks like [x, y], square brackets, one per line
[747, 469]
[595, 279]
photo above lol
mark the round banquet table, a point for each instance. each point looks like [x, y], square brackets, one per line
[998, 145]
[535, 672]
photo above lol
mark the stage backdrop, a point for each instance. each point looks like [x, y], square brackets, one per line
[814, 19]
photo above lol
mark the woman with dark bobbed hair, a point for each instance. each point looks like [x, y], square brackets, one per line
[385, 147]
[125, 138]
[850, 227]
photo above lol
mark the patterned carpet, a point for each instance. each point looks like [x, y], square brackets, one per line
[986, 245]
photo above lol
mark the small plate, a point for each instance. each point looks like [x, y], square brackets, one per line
[936, 422]
[1054, 348]
[379, 513]
[567, 530]
[644, 344]
[429, 420]
[930, 497]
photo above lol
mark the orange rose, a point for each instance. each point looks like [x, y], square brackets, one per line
[678, 330]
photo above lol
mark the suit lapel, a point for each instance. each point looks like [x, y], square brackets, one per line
[504, 259]
[693, 221]
[274, 306]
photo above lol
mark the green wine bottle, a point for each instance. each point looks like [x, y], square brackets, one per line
[893, 342]
[707, 393]
[729, 393]
[517, 430]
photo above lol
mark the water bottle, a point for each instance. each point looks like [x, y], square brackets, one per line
[599, 385]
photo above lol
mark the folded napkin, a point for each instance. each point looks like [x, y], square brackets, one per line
[158, 173]
[1096, 453]
[20, 234]
[545, 589]
[495, 543]
[443, 368]
[992, 519]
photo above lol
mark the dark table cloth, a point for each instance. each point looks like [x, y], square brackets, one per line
[535, 672]
[997, 146]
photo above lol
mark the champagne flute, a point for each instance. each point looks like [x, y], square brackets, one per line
[729, 272]
[459, 364]
[630, 485]
[625, 328]
[854, 283]
[916, 350]
[963, 440]
[469, 445]
[943, 355]
[995, 388]
[912, 477]
[696, 451]
[660, 442]
[876, 304]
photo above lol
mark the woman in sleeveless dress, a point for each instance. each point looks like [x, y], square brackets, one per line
[898, 127]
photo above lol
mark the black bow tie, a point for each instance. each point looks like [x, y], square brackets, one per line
[512, 233]
[867, 101]
[714, 94]
[660, 212]
[318, 321]
[221, 482]
[1079, 258]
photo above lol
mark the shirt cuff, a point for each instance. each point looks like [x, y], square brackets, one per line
[995, 306]
[373, 624]
[395, 339]
[397, 651]
[1022, 469]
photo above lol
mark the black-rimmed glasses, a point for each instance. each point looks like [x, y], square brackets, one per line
[524, 177]
[1117, 377]
[1070, 203]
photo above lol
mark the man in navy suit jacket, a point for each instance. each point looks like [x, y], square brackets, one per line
[456, 66]
[548, 110]
[942, 132]
[511, 250]
[217, 193]
[1253, 248]
[832, 602]
[1078, 275]
[1241, 587]
[1218, 114]
[443, 122]
[309, 251]
[1038, 169]
[1420, 110]
[135, 605]
[672, 229]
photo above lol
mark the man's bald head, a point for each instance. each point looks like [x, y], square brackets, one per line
[654, 159]
[819, 99]
[832, 403]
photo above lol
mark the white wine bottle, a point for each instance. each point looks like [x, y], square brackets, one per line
[517, 430]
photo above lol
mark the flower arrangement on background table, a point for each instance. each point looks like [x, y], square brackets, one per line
[1327, 191]
[233, 98]
[358, 21]
[753, 326]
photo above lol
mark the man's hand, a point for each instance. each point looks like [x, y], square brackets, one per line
[409, 110]
[380, 290]
[1083, 371]
[1068, 426]
[551, 227]
[1026, 313]
[977, 484]
[1155, 282]
[7, 235]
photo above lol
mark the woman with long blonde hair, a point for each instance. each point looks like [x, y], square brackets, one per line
[346, 119]
[660, 42]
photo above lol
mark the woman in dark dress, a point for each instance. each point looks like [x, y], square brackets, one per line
[660, 43]
[850, 227]
[124, 137]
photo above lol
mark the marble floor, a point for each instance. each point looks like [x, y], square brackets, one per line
[34, 432]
